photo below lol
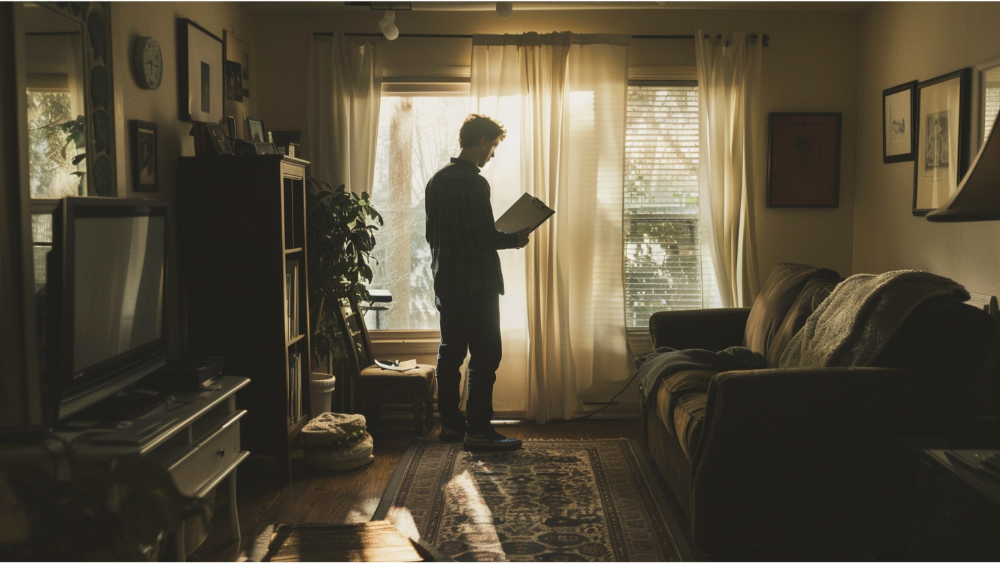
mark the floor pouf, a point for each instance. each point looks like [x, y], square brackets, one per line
[336, 442]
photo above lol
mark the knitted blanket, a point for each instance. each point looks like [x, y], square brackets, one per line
[857, 320]
[666, 361]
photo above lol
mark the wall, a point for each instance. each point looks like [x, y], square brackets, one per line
[900, 42]
[131, 20]
[809, 66]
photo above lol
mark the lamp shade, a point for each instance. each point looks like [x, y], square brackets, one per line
[978, 195]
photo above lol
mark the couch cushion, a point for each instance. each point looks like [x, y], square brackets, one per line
[815, 290]
[676, 386]
[775, 298]
[689, 417]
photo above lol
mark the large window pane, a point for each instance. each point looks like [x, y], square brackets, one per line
[665, 265]
[417, 135]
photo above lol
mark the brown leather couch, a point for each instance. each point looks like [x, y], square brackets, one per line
[805, 459]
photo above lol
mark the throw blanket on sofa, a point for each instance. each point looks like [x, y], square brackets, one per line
[666, 361]
[853, 324]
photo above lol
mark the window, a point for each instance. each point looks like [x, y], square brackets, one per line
[418, 134]
[666, 266]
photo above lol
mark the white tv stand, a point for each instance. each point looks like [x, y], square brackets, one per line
[195, 436]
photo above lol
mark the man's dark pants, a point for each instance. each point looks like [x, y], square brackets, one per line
[468, 323]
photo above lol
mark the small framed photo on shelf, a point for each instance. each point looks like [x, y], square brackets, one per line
[200, 73]
[265, 148]
[256, 130]
[899, 114]
[145, 165]
[804, 160]
[217, 135]
[942, 153]
[231, 126]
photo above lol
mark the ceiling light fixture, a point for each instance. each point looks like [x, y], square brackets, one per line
[388, 26]
[504, 9]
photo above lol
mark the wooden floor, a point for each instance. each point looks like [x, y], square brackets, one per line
[352, 496]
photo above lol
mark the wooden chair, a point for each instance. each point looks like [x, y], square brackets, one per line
[377, 386]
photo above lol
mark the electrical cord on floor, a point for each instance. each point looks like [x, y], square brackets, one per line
[609, 403]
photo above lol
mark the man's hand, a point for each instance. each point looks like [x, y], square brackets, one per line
[522, 238]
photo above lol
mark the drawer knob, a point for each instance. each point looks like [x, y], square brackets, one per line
[221, 453]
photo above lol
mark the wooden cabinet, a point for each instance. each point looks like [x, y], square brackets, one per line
[244, 293]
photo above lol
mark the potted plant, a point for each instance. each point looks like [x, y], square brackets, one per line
[341, 229]
[103, 511]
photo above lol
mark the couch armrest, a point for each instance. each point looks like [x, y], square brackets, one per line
[800, 458]
[708, 329]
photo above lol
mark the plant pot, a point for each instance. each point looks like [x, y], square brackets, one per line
[321, 386]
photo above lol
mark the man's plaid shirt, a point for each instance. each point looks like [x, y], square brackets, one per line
[461, 232]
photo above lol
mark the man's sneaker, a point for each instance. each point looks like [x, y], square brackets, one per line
[490, 440]
[451, 434]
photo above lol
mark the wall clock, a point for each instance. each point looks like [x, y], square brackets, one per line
[147, 63]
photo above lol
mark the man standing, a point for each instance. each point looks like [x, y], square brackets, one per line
[468, 284]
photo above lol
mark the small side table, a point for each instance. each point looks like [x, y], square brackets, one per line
[956, 510]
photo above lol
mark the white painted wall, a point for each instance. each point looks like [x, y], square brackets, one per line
[900, 42]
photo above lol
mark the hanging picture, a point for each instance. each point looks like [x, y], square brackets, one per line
[144, 161]
[237, 104]
[200, 73]
[941, 155]
[804, 160]
[899, 113]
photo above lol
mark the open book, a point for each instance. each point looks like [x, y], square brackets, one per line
[527, 213]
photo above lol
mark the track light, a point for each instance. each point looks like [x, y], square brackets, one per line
[388, 26]
[504, 9]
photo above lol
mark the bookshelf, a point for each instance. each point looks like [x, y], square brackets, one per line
[243, 255]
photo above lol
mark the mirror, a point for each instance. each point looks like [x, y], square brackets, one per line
[69, 104]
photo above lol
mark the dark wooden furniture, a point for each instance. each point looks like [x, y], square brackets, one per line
[377, 386]
[242, 222]
[956, 510]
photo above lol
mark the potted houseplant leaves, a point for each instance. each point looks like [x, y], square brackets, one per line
[103, 511]
[341, 229]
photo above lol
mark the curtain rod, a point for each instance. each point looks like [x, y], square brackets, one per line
[456, 36]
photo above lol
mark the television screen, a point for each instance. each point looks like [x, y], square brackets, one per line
[118, 295]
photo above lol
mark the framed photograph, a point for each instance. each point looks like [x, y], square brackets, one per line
[234, 82]
[899, 114]
[145, 164]
[265, 148]
[237, 104]
[255, 130]
[803, 168]
[200, 73]
[217, 136]
[231, 126]
[942, 148]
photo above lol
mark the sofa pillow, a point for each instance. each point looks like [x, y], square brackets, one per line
[775, 298]
[815, 290]
[943, 337]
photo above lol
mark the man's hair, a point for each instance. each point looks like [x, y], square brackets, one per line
[477, 127]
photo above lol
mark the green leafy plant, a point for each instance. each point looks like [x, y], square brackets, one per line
[341, 235]
[116, 511]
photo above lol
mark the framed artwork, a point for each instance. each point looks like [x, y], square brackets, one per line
[200, 73]
[942, 149]
[145, 165]
[803, 167]
[255, 129]
[217, 136]
[899, 114]
[265, 148]
[237, 55]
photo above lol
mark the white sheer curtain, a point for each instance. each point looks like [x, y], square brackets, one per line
[562, 98]
[729, 70]
[343, 96]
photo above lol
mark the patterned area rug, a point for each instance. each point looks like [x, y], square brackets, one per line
[549, 501]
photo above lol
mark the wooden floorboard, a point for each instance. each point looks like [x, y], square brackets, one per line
[352, 496]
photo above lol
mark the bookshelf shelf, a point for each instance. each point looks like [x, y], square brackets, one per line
[244, 287]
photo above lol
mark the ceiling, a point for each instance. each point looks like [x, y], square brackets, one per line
[298, 6]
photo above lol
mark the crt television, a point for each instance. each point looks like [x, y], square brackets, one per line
[107, 296]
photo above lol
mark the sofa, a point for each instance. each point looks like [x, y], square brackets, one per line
[778, 459]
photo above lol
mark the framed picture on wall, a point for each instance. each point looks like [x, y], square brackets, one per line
[899, 114]
[200, 73]
[804, 160]
[145, 164]
[942, 152]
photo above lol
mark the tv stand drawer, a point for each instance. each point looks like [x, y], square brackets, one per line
[208, 459]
